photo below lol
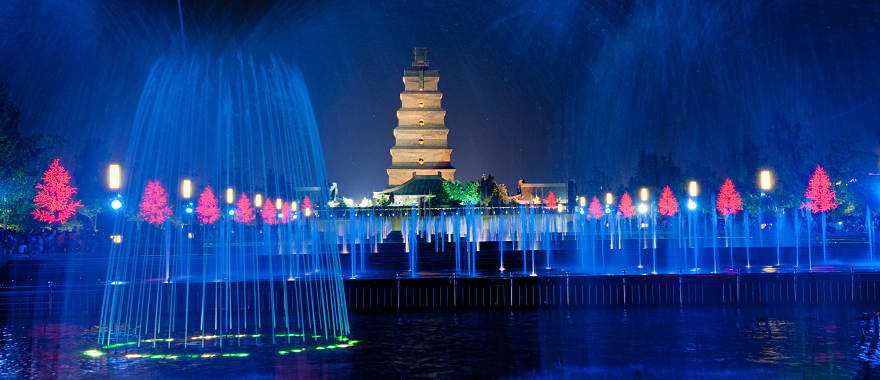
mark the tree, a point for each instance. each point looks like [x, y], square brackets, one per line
[307, 203]
[626, 206]
[595, 208]
[466, 193]
[821, 197]
[154, 206]
[244, 213]
[729, 201]
[551, 199]
[668, 204]
[207, 210]
[285, 211]
[270, 216]
[54, 201]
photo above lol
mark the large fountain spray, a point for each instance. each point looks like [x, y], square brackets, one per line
[238, 266]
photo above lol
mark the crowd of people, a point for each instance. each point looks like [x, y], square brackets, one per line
[37, 243]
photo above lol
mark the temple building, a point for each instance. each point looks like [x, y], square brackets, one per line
[421, 158]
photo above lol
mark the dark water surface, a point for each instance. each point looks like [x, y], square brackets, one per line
[671, 342]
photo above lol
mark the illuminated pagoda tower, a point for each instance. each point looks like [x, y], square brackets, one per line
[421, 158]
[420, 146]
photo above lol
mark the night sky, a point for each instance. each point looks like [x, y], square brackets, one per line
[534, 90]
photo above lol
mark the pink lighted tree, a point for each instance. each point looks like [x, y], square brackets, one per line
[154, 206]
[244, 212]
[54, 200]
[626, 206]
[668, 205]
[268, 213]
[595, 208]
[207, 209]
[821, 197]
[551, 200]
[729, 201]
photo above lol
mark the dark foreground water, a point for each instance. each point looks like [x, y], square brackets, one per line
[791, 342]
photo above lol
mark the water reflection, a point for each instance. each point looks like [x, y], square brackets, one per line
[609, 342]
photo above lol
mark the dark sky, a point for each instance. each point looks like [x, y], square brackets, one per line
[538, 90]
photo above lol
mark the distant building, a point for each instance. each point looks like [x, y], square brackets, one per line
[536, 193]
[421, 152]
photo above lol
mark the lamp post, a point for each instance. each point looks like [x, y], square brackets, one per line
[642, 209]
[766, 183]
[693, 192]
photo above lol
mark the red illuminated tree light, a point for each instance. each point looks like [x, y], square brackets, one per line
[668, 205]
[154, 206]
[268, 213]
[551, 200]
[285, 212]
[595, 208]
[207, 210]
[54, 199]
[626, 206]
[822, 197]
[244, 213]
[729, 201]
[307, 202]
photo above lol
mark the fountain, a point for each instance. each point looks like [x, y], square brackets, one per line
[225, 272]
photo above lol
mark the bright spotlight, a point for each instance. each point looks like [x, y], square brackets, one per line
[691, 205]
[114, 177]
[116, 204]
[188, 209]
[258, 200]
[279, 203]
[643, 208]
[609, 199]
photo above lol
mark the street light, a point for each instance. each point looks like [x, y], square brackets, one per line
[116, 204]
[643, 208]
[691, 204]
[609, 199]
[230, 195]
[186, 188]
[582, 201]
[693, 189]
[279, 203]
[114, 177]
[765, 180]
[258, 200]
[644, 194]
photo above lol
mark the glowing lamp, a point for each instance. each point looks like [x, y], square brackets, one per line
[765, 180]
[691, 204]
[582, 201]
[116, 239]
[307, 212]
[186, 188]
[560, 207]
[230, 195]
[644, 194]
[116, 204]
[609, 199]
[278, 203]
[258, 200]
[293, 206]
[114, 177]
[231, 212]
[643, 208]
[693, 189]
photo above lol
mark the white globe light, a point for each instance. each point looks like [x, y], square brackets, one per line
[643, 208]
[691, 204]
[116, 204]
